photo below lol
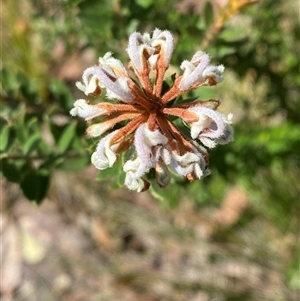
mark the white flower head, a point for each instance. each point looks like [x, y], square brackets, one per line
[143, 111]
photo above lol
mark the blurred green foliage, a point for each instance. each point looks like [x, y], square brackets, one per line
[257, 44]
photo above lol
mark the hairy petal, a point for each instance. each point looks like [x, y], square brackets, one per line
[228, 134]
[145, 139]
[208, 142]
[98, 129]
[120, 91]
[105, 156]
[137, 44]
[160, 42]
[198, 72]
[84, 110]
[137, 167]
[112, 66]
[183, 165]
[164, 40]
[153, 61]
[116, 87]
[193, 70]
[91, 85]
[133, 183]
[214, 72]
[209, 120]
[147, 157]
[199, 168]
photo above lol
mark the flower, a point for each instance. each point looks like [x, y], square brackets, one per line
[138, 113]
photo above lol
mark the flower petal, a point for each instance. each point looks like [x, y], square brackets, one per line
[136, 45]
[85, 110]
[193, 70]
[112, 66]
[98, 129]
[163, 40]
[228, 131]
[133, 183]
[198, 72]
[145, 139]
[214, 74]
[183, 165]
[209, 120]
[160, 42]
[136, 167]
[104, 156]
[115, 86]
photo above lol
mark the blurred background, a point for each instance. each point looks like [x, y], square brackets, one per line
[71, 233]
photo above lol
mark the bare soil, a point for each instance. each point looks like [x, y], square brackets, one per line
[86, 242]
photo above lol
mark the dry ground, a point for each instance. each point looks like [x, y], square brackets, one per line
[86, 242]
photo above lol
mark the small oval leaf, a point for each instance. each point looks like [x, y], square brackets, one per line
[10, 170]
[67, 138]
[35, 185]
[31, 144]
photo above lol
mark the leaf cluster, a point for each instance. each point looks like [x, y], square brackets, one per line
[257, 44]
[36, 135]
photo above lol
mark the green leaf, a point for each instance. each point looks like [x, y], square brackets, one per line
[33, 125]
[61, 93]
[205, 93]
[67, 138]
[111, 172]
[208, 14]
[20, 124]
[144, 3]
[10, 170]
[225, 50]
[3, 123]
[200, 24]
[120, 178]
[35, 184]
[75, 164]
[7, 137]
[31, 144]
